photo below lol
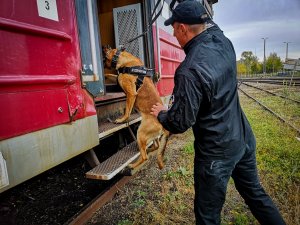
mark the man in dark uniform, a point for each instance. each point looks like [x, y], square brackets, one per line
[205, 98]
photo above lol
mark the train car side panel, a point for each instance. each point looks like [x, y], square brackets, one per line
[171, 55]
[46, 116]
[40, 58]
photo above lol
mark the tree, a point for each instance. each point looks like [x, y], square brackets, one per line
[273, 63]
[256, 67]
[241, 68]
[250, 61]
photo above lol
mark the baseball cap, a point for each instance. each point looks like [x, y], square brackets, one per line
[188, 12]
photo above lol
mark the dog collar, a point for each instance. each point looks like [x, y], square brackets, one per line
[115, 58]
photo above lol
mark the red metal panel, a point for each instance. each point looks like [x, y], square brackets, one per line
[22, 111]
[171, 55]
[40, 62]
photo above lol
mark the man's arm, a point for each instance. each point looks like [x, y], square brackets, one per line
[183, 113]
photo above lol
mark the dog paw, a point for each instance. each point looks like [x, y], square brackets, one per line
[161, 165]
[120, 120]
[130, 166]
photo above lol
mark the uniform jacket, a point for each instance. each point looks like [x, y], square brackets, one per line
[205, 98]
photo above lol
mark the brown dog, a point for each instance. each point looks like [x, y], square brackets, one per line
[142, 99]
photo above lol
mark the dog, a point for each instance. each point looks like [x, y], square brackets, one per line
[142, 98]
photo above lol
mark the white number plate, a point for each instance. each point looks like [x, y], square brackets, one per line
[47, 9]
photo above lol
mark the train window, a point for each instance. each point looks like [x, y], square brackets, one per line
[127, 25]
[88, 29]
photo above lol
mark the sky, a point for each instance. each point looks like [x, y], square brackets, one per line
[246, 22]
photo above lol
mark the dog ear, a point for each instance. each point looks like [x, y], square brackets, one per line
[156, 77]
[122, 47]
[106, 49]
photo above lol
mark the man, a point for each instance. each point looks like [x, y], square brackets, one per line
[205, 98]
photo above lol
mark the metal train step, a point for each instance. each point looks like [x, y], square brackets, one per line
[107, 128]
[113, 165]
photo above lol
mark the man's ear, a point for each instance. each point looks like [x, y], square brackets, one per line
[183, 28]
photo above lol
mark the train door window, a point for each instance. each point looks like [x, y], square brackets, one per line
[91, 56]
[128, 25]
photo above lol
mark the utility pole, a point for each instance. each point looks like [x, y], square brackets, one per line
[287, 50]
[264, 55]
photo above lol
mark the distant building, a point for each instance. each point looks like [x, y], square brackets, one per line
[292, 64]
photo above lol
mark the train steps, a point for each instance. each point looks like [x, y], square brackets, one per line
[107, 128]
[117, 162]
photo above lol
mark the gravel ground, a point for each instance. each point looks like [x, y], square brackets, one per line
[50, 198]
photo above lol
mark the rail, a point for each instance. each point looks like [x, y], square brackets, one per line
[271, 111]
[269, 92]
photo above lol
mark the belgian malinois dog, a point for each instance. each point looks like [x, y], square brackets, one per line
[142, 98]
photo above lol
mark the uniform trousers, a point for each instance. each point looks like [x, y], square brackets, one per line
[211, 178]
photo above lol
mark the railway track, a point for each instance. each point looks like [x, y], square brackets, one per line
[87, 212]
[289, 81]
[271, 93]
[265, 107]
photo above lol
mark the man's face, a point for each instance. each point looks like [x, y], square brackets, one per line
[179, 31]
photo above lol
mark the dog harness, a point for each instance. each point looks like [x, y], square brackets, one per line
[140, 71]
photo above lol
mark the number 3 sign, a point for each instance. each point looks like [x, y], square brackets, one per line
[47, 9]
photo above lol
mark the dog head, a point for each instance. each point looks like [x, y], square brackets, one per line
[108, 54]
[111, 56]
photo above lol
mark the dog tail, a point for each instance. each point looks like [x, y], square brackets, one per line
[162, 148]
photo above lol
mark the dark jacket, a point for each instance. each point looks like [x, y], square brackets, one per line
[206, 98]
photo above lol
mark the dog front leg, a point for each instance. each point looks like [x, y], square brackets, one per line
[111, 77]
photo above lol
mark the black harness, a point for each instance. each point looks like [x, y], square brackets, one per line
[115, 58]
[140, 71]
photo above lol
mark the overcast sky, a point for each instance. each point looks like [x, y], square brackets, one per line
[246, 22]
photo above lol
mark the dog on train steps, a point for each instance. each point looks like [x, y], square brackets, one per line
[140, 93]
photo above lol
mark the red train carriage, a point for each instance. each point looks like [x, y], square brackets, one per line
[55, 101]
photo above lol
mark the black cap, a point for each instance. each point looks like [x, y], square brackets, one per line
[188, 12]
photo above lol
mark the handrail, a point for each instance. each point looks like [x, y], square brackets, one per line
[36, 79]
[33, 29]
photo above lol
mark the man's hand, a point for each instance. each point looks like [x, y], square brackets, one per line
[157, 108]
